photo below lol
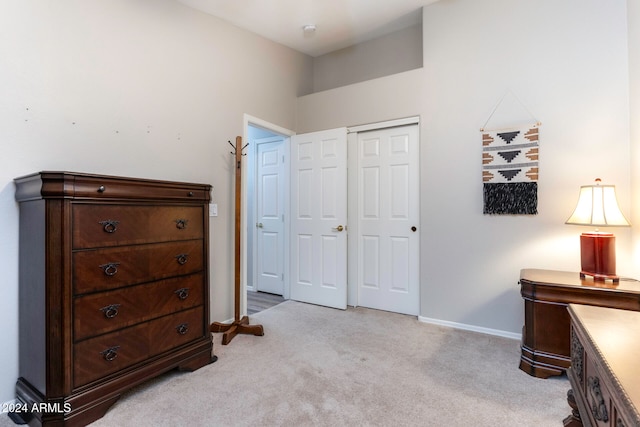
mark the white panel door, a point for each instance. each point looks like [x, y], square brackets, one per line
[319, 214]
[270, 215]
[388, 219]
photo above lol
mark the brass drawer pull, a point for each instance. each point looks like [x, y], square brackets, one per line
[182, 258]
[181, 224]
[109, 225]
[182, 293]
[110, 269]
[182, 328]
[110, 311]
[111, 353]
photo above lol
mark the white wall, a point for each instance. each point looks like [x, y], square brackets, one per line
[138, 88]
[567, 64]
[633, 11]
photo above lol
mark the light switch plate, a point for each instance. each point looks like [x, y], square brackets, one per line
[213, 209]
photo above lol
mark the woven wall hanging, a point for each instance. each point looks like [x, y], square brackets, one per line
[510, 170]
[510, 163]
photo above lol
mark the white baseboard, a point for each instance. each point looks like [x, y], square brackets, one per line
[463, 326]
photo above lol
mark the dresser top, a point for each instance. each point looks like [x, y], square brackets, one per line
[83, 186]
[615, 335]
[572, 279]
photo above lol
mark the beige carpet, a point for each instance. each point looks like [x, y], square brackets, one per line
[317, 366]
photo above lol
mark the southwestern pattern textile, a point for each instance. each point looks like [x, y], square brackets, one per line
[510, 171]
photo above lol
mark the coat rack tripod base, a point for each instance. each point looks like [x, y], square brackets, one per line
[239, 325]
[230, 330]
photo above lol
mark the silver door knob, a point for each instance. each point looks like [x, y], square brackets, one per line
[259, 225]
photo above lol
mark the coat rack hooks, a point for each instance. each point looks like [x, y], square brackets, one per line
[235, 148]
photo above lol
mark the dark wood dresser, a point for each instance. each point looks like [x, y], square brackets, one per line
[604, 373]
[114, 289]
[546, 344]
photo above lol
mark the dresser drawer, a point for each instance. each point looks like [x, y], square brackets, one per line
[98, 225]
[104, 187]
[103, 312]
[106, 354]
[174, 330]
[104, 269]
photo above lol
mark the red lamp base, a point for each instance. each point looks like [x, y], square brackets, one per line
[598, 256]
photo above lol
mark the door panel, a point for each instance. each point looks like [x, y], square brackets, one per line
[269, 216]
[319, 207]
[304, 260]
[400, 264]
[388, 208]
[370, 254]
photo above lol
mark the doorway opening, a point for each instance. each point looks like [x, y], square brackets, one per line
[265, 219]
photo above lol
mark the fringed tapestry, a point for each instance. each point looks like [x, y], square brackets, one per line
[510, 171]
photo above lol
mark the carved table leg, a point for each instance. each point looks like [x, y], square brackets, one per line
[574, 419]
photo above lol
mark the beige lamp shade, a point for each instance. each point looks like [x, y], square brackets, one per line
[598, 206]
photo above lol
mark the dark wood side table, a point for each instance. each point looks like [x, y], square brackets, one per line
[546, 344]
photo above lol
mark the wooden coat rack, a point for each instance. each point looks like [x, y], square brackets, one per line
[239, 325]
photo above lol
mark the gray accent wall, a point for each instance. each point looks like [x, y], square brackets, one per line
[390, 54]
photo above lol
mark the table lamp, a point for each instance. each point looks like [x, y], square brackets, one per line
[598, 207]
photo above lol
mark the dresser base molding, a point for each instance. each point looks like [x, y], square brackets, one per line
[91, 402]
[541, 364]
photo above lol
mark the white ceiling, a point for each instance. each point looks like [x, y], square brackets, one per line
[339, 23]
